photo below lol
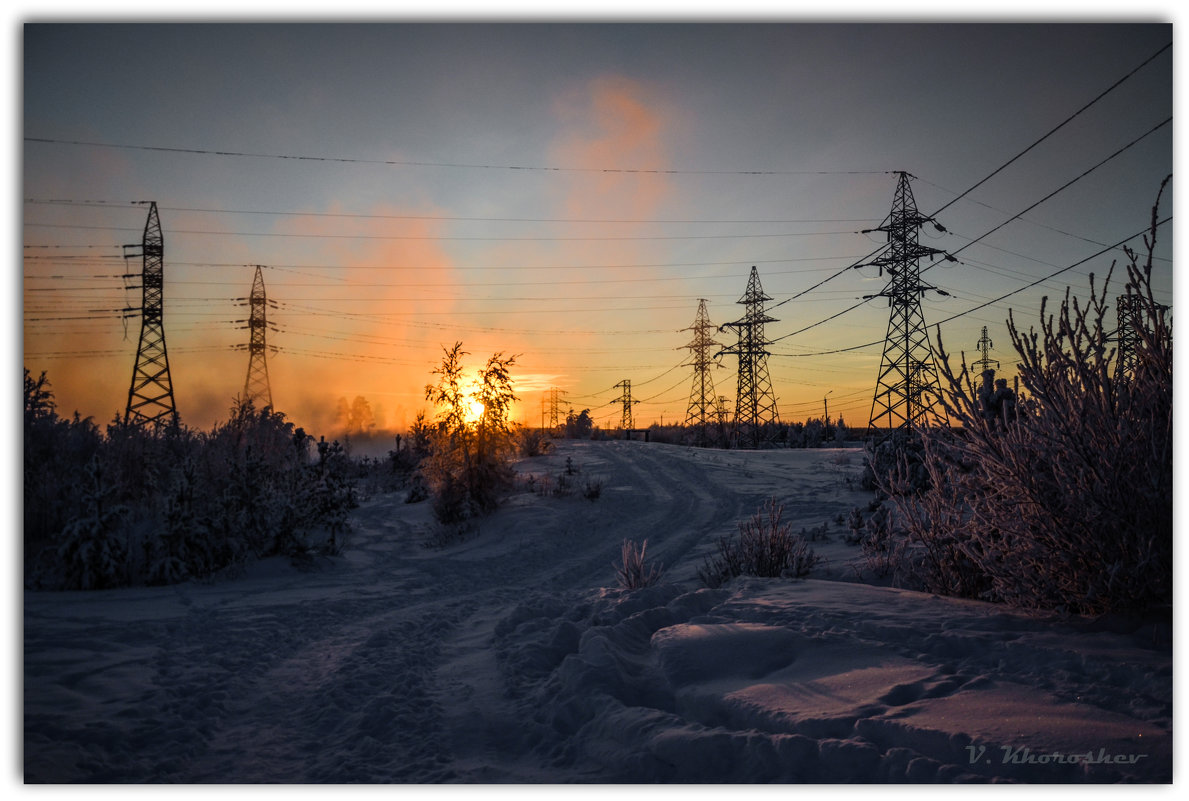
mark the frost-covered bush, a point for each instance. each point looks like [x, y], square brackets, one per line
[532, 442]
[56, 454]
[469, 466]
[94, 554]
[883, 548]
[592, 489]
[814, 433]
[765, 546]
[1069, 506]
[162, 504]
[183, 546]
[900, 455]
[633, 570]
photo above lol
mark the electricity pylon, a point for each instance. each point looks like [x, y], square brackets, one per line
[755, 404]
[256, 385]
[150, 395]
[554, 403]
[984, 347]
[1127, 308]
[906, 391]
[700, 411]
[626, 422]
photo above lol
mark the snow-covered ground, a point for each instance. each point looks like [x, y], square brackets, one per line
[513, 657]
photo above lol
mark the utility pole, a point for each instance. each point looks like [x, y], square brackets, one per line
[626, 399]
[700, 410]
[755, 404]
[826, 409]
[907, 388]
[256, 386]
[984, 347]
[150, 395]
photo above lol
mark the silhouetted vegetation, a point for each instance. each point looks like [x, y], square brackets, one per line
[633, 570]
[158, 505]
[765, 546]
[469, 464]
[1068, 504]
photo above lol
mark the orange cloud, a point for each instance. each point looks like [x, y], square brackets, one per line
[610, 124]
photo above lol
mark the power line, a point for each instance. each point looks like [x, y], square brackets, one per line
[951, 256]
[453, 165]
[1008, 163]
[999, 299]
[1061, 125]
[394, 237]
[446, 217]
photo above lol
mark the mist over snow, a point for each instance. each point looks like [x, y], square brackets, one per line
[512, 656]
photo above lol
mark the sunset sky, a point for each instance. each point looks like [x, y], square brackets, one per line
[564, 192]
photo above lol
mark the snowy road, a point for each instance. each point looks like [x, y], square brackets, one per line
[509, 658]
[330, 675]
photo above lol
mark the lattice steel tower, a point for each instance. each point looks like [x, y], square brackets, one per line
[700, 411]
[906, 392]
[256, 385]
[984, 346]
[150, 395]
[1127, 308]
[554, 405]
[626, 399]
[755, 404]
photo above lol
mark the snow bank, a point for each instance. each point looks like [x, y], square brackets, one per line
[819, 681]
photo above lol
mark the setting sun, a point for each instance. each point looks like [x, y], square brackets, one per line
[474, 411]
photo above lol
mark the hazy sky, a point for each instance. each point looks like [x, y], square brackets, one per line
[566, 192]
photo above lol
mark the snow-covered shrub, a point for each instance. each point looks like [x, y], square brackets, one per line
[93, 554]
[856, 527]
[633, 571]
[579, 426]
[266, 495]
[418, 491]
[469, 466]
[1069, 506]
[532, 442]
[592, 489]
[883, 548]
[765, 546]
[814, 433]
[900, 455]
[56, 454]
[817, 533]
[331, 497]
[183, 545]
[171, 503]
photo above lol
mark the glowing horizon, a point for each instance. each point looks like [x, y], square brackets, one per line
[571, 215]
